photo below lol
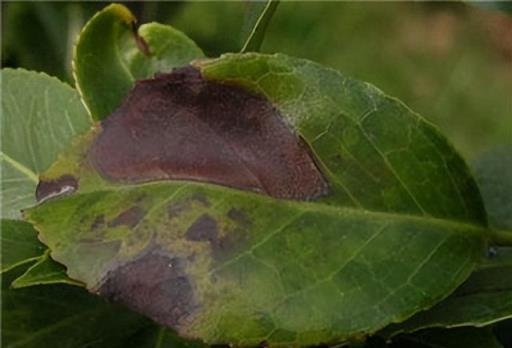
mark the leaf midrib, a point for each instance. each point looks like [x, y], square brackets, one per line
[306, 206]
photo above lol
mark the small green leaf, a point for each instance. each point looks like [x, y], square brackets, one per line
[40, 117]
[256, 22]
[45, 271]
[19, 244]
[169, 48]
[110, 55]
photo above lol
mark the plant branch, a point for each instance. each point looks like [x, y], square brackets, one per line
[259, 14]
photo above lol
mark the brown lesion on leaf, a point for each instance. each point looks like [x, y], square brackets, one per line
[239, 216]
[129, 217]
[46, 189]
[98, 222]
[154, 284]
[179, 126]
[177, 208]
[206, 228]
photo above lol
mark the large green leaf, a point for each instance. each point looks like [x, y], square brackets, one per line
[230, 266]
[110, 55]
[40, 117]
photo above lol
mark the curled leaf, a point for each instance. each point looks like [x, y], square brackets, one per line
[111, 53]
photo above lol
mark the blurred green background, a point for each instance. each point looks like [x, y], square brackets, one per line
[451, 62]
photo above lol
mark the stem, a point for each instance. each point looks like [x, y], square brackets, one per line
[259, 18]
[501, 237]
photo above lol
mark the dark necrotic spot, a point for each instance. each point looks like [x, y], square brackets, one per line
[66, 184]
[130, 217]
[98, 222]
[204, 228]
[156, 285]
[180, 126]
[239, 217]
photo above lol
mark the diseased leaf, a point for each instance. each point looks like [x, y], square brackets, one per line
[256, 152]
[230, 266]
[40, 117]
[110, 54]
[19, 244]
[375, 153]
[227, 265]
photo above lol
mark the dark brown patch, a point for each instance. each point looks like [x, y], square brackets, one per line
[156, 285]
[99, 221]
[66, 184]
[180, 126]
[174, 209]
[240, 217]
[204, 228]
[201, 198]
[130, 217]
